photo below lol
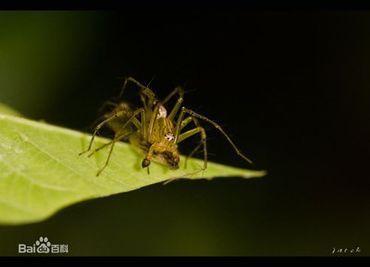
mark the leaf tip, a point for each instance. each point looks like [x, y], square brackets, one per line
[251, 174]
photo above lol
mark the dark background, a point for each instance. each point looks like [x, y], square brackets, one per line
[291, 88]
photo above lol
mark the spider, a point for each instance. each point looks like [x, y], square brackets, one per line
[155, 131]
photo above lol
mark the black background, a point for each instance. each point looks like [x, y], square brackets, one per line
[290, 87]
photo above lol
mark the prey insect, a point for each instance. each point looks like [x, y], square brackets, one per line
[154, 130]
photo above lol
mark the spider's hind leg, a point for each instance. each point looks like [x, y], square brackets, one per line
[99, 126]
[111, 143]
[119, 136]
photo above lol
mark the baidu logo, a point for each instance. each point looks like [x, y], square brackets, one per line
[43, 246]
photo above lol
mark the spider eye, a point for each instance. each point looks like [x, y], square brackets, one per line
[169, 137]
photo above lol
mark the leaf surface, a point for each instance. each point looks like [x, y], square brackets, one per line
[41, 171]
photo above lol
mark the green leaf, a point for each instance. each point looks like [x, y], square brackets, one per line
[41, 172]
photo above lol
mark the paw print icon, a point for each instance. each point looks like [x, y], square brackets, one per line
[43, 245]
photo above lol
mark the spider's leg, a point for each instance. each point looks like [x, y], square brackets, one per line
[191, 154]
[111, 143]
[177, 90]
[145, 92]
[183, 124]
[140, 125]
[100, 111]
[117, 138]
[176, 107]
[217, 126]
[153, 118]
[100, 125]
[198, 130]
[106, 104]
